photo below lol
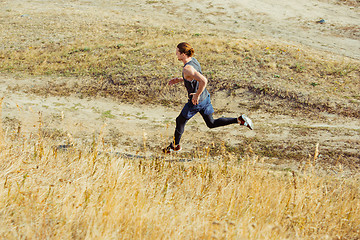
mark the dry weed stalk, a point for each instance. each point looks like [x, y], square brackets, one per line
[311, 162]
[2, 139]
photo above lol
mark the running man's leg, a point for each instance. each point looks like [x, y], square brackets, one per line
[180, 127]
[179, 130]
[213, 123]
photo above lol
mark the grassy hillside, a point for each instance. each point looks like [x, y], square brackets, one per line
[136, 66]
[227, 191]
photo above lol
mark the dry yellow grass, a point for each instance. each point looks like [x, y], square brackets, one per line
[80, 194]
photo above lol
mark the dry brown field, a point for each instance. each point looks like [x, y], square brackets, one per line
[86, 110]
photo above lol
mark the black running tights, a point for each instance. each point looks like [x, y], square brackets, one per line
[209, 120]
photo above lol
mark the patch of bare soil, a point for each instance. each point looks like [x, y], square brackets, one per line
[278, 136]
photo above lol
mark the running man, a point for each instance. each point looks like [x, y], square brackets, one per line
[199, 98]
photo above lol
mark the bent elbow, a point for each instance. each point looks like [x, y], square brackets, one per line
[204, 81]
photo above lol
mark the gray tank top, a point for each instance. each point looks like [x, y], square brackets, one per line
[192, 85]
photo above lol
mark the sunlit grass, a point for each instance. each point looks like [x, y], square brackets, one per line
[80, 193]
[87, 192]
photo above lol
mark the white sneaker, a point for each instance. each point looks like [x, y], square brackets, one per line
[245, 121]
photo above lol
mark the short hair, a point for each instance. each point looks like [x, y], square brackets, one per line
[186, 48]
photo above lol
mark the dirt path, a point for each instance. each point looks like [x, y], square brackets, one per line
[133, 128]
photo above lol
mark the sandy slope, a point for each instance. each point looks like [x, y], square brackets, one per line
[287, 20]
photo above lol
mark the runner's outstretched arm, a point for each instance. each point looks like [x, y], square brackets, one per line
[175, 81]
